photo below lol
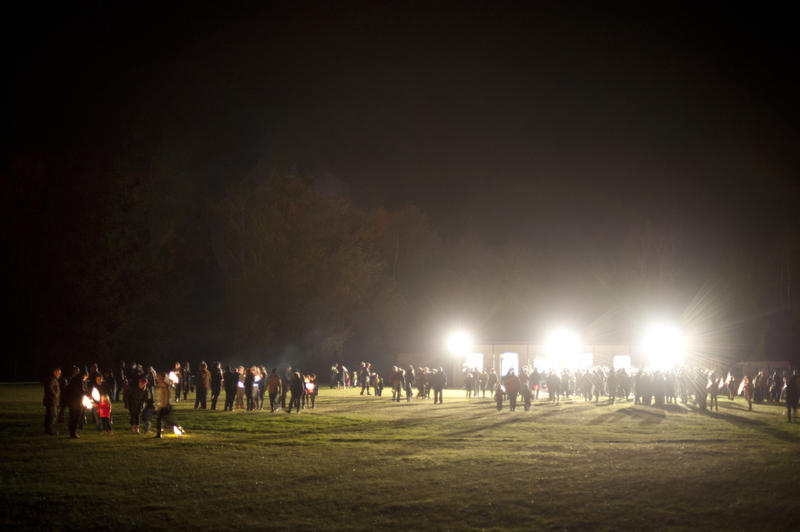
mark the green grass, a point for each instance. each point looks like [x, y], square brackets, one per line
[366, 463]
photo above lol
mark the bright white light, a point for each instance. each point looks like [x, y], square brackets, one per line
[665, 346]
[474, 361]
[459, 343]
[562, 344]
[622, 362]
[509, 360]
[542, 364]
[580, 361]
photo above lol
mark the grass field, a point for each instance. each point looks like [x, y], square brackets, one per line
[367, 463]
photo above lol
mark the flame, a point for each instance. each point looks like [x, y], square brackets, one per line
[309, 386]
[177, 430]
[502, 388]
[173, 377]
[241, 384]
[258, 378]
[95, 395]
[722, 383]
[87, 402]
[741, 388]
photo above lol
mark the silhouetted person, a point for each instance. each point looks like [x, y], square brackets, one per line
[513, 387]
[296, 387]
[51, 400]
[792, 384]
[137, 394]
[273, 388]
[203, 383]
[75, 392]
[216, 384]
[231, 384]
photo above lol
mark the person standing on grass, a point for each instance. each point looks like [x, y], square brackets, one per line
[186, 380]
[286, 380]
[513, 387]
[363, 377]
[104, 411]
[249, 382]
[51, 400]
[262, 386]
[75, 392]
[296, 387]
[164, 408]
[231, 383]
[438, 381]
[216, 384]
[178, 372]
[491, 382]
[203, 383]
[499, 392]
[273, 388]
[792, 395]
[240, 388]
[135, 401]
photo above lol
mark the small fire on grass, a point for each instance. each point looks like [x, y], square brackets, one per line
[87, 403]
[177, 430]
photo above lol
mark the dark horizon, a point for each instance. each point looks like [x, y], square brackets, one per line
[518, 168]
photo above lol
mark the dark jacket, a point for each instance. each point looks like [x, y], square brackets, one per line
[74, 392]
[52, 392]
[203, 379]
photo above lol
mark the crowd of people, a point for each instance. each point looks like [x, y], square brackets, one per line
[657, 388]
[402, 381]
[148, 395]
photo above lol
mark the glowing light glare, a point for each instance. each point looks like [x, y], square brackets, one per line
[87, 403]
[664, 346]
[459, 343]
[178, 431]
[562, 344]
[580, 361]
[509, 360]
[310, 387]
[173, 377]
[95, 395]
[258, 378]
[622, 362]
[241, 384]
[474, 361]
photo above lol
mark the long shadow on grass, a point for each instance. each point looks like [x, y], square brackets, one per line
[740, 421]
[647, 417]
[483, 428]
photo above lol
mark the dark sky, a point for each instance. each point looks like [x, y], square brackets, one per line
[502, 117]
[557, 127]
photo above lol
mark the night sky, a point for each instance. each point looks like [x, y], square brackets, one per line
[564, 130]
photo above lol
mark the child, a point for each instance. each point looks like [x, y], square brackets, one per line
[498, 396]
[104, 410]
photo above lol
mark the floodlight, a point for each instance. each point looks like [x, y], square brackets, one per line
[562, 344]
[664, 345]
[459, 343]
[622, 362]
